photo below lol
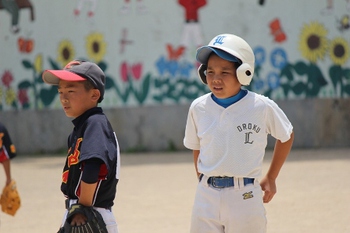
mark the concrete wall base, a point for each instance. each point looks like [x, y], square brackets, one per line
[317, 123]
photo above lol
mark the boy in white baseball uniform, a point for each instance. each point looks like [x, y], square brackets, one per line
[227, 130]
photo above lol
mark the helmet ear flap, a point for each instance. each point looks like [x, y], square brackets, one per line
[244, 73]
[202, 73]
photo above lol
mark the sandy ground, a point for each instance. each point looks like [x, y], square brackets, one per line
[156, 191]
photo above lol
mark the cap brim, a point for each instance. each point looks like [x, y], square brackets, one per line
[54, 76]
[204, 52]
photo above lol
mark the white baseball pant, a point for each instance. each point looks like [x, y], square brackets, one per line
[237, 209]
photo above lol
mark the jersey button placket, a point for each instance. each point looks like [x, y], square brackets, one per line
[224, 119]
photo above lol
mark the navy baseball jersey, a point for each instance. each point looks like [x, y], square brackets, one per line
[92, 138]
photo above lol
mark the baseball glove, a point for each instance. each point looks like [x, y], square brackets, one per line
[10, 200]
[94, 222]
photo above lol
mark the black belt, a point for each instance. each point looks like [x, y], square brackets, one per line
[67, 203]
[191, 21]
[224, 182]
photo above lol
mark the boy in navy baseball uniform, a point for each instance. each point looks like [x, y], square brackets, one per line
[7, 152]
[10, 200]
[90, 173]
[227, 131]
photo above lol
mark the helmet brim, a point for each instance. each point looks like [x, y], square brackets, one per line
[204, 52]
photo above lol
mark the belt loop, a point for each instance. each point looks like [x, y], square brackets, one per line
[205, 180]
[256, 182]
[236, 183]
[200, 177]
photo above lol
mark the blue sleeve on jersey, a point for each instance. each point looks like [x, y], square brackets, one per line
[91, 170]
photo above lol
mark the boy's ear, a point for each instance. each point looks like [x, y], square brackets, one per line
[96, 94]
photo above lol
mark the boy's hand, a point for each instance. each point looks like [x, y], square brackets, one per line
[84, 219]
[78, 220]
[269, 188]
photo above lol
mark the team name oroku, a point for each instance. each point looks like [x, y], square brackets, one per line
[248, 126]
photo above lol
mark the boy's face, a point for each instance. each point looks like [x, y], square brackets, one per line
[75, 99]
[221, 77]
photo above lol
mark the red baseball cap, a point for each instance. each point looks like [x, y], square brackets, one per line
[76, 71]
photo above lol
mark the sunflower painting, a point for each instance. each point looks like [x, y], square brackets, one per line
[10, 96]
[339, 74]
[95, 46]
[313, 43]
[66, 52]
[339, 51]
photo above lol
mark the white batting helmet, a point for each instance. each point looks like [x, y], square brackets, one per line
[232, 48]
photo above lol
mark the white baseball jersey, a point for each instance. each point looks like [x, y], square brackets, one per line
[232, 140]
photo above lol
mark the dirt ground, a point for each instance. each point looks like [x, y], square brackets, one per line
[156, 192]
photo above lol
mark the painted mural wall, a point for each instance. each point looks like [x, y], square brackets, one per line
[147, 47]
